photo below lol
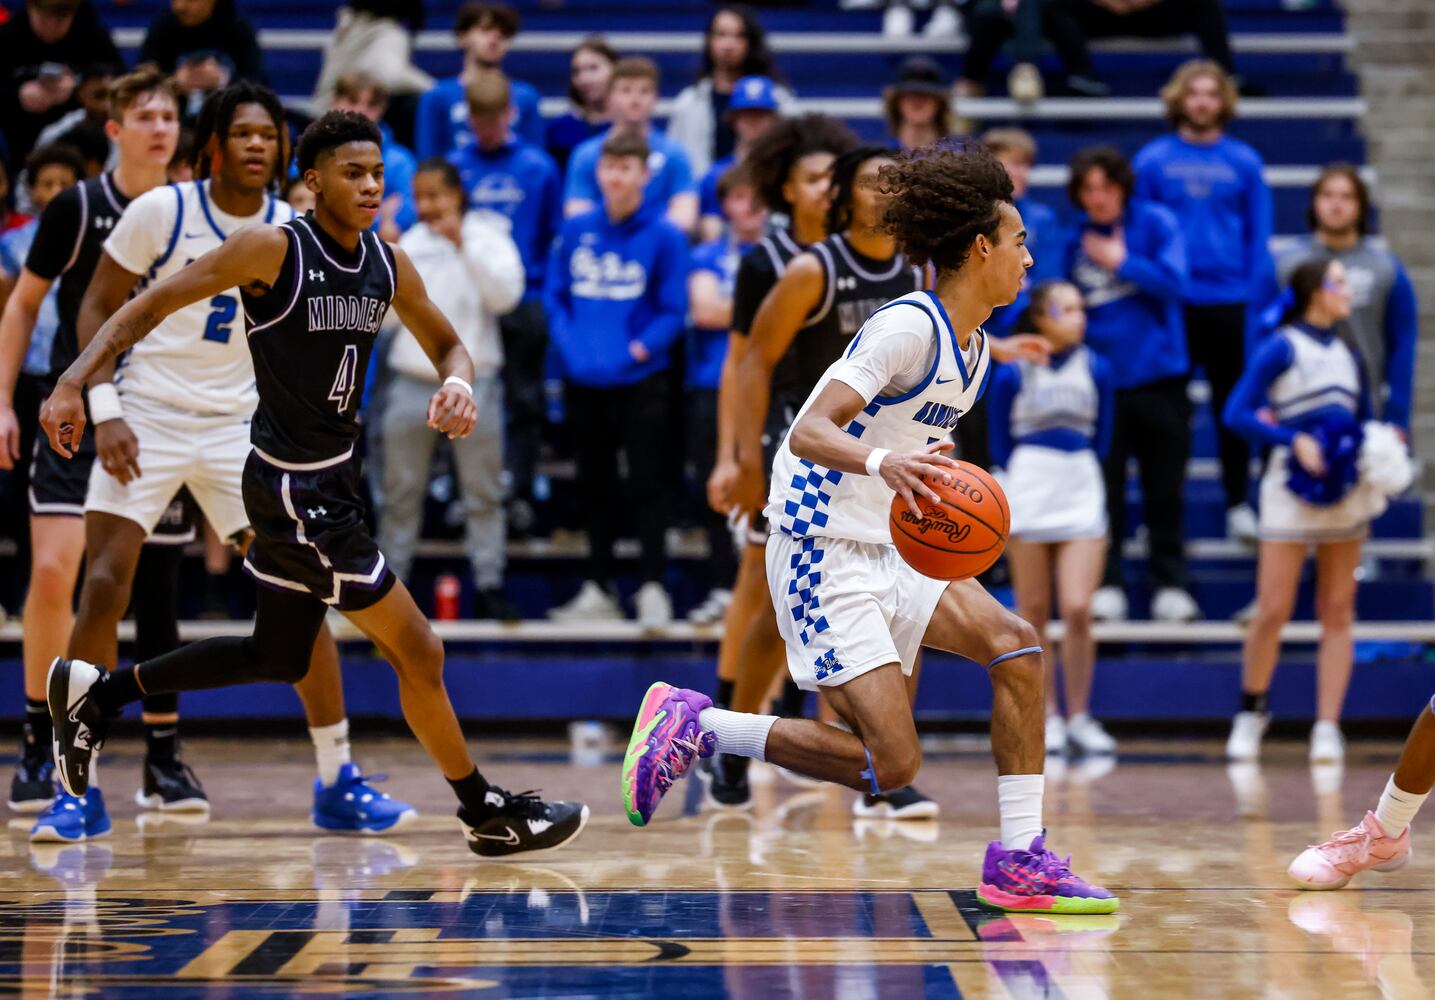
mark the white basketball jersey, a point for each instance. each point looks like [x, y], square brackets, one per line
[1054, 398]
[197, 359]
[808, 500]
[1323, 374]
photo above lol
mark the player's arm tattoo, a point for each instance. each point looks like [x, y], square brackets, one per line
[117, 336]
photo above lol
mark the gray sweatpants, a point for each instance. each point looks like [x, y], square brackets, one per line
[408, 444]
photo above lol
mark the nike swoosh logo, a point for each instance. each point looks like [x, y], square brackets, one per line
[511, 839]
[944, 381]
[193, 236]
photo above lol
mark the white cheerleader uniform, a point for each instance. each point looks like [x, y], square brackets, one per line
[1048, 423]
[846, 602]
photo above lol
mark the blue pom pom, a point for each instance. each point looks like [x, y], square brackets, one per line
[1340, 439]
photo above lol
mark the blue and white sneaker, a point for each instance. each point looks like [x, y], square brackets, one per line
[352, 805]
[69, 820]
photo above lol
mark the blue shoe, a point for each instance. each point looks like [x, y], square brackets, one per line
[352, 805]
[69, 820]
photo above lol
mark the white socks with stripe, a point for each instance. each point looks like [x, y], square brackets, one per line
[1397, 808]
[1019, 802]
[738, 732]
[331, 749]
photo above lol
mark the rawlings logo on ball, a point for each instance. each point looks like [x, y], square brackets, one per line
[935, 519]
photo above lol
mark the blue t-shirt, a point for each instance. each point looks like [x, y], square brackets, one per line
[14, 248]
[667, 163]
[707, 346]
[519, 181]
[441, 123]
[708, 201]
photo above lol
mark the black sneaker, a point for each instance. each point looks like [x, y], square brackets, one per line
[727, 786]
[903, 803]
[80, 724]
[491, 603]
[33, 786]
[170, 786]
[517, 823]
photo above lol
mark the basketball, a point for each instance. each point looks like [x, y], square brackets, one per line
[958, 536]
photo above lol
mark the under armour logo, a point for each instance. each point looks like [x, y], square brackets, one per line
[104, 222]
[316, 511]
[316, 275]
[846, 283]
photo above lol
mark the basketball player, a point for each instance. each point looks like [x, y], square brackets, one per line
[1381, 841]
[791, 167]
[853, 614]
[315, 291]
[144, 127]
[804, 324]
[177, 414]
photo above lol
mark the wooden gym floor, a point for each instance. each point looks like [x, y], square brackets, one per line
[794, 899]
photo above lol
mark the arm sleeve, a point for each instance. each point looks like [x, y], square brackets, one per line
[1144, 186]
[431, 126]
[557, 302]
[754, 280]
[895, 346]
[530, 120]
[680, 175]
[1272, 357]
[143, 232]
[1158, 270]
[550, 208]
[496, 268]
[1401, 336]
[1006, 383]
[582, 184]
[1105, 380]
[666, 326]
[1260, 213]
[57, 237]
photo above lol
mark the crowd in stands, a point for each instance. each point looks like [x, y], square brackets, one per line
[596, 251]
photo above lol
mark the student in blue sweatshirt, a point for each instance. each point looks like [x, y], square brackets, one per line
[505, 174]
[1016, 149]
[365, 95]
[1129, 262]
[1215, 186]
[617, 302]
[484, 32]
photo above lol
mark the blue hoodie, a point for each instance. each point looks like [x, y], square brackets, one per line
[1044, 240]
[610, 284]
[1220, 197]
[1133, 316]
[441, 123]
[399, 169]
[519, 181]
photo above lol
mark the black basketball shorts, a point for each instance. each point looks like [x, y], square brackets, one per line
[58, 484]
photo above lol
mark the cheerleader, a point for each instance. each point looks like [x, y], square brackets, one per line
[1050, 426]
[1302, 395]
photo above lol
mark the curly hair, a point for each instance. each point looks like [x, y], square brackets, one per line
[782, 144]
[1174, 92]
[939, 201]
[332, 130]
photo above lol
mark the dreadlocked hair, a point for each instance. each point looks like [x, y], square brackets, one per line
[332, 130]
[774, 153]
[217, 114]
[844, 176]
[939, 200]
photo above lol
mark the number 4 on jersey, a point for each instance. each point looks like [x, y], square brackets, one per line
[345, 378]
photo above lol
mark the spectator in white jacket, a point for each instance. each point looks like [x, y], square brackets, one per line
[734, 46]
[473, 273]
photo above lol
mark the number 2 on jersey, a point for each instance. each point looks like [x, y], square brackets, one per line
[223, 309]
[345, 378]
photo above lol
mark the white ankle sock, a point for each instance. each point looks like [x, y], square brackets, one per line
[331, 749]
[1397, 808]
[738, 732]
[94, 780]
[1019, 803]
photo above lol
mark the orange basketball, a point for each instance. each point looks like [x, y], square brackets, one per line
[959, 536]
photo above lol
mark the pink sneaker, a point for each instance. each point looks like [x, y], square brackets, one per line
[1331, 865]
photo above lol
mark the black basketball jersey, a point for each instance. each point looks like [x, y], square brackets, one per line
[311, 336]
[72, 231]
[853, 288]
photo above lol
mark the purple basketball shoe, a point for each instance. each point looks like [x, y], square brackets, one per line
[1037, 881]
[666, 740]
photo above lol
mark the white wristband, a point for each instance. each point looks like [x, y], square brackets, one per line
[455, 380]
[105, 403]
[874, 460]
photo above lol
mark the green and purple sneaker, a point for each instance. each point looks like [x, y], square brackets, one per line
[667, 738]
[1037, 881]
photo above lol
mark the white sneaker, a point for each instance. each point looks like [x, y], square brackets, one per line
[713, 607]
[1089, 736]
[1055, 735]
[1241, 524]
[944, 23]
[1327, 745]
[1247, 728]
[653, 605]
[1172, 604]
[897, 21]
[592, 604]
[1108, 604]
[1024, 83]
